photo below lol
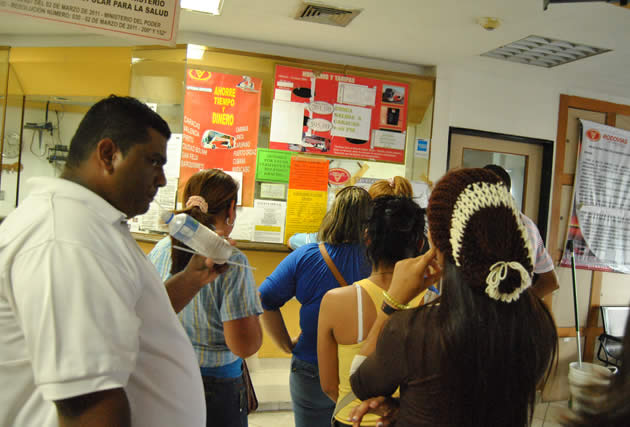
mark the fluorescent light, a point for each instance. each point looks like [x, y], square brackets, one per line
[212, 7]
[195, 51]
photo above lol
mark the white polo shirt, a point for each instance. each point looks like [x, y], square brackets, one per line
[82, 309]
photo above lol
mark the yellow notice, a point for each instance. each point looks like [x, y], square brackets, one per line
[305, 211]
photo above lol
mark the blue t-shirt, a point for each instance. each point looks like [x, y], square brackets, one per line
[304, 274]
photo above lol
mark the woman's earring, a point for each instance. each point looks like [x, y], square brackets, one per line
[227, 221]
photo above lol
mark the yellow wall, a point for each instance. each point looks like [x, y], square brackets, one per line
[70, 71]
[265, 262]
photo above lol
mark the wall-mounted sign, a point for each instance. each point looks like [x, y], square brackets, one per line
[144, 21]
[221, 115]
[600, 216]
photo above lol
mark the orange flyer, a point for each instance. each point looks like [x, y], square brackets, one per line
[308, 174]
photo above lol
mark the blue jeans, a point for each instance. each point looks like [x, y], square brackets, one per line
[311, 406]
[226, 402]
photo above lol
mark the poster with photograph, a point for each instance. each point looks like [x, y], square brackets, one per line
[600, 219]
[339, 115]
[221, 115]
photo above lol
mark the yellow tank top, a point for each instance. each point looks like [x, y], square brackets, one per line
[346, 352]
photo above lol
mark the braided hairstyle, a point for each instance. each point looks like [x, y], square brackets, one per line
[473, 221]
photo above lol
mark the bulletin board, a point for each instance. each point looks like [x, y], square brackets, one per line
[339, 115]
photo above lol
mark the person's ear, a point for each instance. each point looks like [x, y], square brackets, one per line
[108, 154]
[438, 253]
[232, 211]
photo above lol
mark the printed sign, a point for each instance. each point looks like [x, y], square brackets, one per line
[147, 21]
[308, 194]
[272, 165]
[221, 115]
[600, 218]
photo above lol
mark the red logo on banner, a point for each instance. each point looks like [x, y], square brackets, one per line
[199, 74]
[338, 176]
[593, 135]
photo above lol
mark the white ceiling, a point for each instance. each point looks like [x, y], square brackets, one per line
[421, 32]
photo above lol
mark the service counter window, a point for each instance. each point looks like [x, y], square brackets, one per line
[292, 132]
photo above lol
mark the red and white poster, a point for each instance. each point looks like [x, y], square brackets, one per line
[221, 116]
[339, 115]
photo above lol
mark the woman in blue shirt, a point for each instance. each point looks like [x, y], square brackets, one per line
[304, 274]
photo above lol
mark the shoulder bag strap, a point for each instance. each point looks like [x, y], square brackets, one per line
[331, 265]
[342, 403]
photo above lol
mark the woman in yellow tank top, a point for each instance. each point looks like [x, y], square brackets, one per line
[395, 231]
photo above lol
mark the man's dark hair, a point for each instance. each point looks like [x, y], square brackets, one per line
[501, 173]
[123, 119]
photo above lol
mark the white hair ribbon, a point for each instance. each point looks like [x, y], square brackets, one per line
[498, 272]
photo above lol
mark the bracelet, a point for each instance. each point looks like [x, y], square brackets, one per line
[388, 309]
[394, 303]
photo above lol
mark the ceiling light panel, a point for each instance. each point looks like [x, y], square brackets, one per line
[543, 51]
[211, 7]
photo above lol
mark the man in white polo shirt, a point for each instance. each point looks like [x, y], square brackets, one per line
[88, 335]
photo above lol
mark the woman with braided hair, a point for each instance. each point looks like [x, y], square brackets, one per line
[475, 356]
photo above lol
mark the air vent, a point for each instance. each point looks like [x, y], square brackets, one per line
[329, 15]
[543, 51]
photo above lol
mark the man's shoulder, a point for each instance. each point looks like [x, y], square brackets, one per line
[32, 221]
[527, 221]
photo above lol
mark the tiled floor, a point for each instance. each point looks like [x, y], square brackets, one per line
[271, 382]
[270, 378]
[271, 419]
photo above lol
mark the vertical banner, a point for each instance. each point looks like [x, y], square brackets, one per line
[600, 216]
[308, 193]
[144, 21]
[221, 116]
[339, 115]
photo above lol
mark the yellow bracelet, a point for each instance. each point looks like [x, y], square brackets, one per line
[394, 303]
